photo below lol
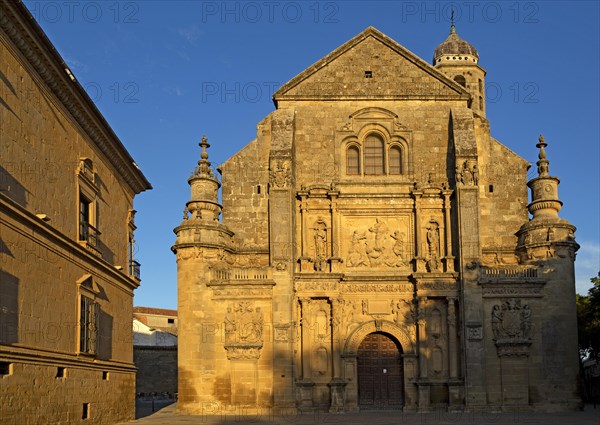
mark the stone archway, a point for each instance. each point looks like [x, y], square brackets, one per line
[405, 340]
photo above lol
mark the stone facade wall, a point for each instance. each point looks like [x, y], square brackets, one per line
[157, 370]
[46, 269]
[34, 395]
[439, 257]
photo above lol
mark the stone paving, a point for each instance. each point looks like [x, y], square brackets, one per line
[169, 416]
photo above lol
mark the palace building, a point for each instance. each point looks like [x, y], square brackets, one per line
[67, 269]
[375, 248]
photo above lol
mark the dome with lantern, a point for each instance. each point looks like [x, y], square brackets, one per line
[455, 49]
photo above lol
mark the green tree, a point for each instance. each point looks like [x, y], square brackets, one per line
[588, 321]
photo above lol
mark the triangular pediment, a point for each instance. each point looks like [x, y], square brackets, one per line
[371, 66]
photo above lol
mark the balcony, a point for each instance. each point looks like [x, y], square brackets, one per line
[89, 238]
[134, 269]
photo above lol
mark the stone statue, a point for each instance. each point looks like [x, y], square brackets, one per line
[357, 253]
[526, 321]
[496, 321]
[433, 243]
[229, 326]
[475, 172]
[320, 236]
[375, 252]
[458, 174]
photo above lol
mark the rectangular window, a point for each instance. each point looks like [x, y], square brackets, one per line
[61, 372]
[5, 368]
[85, 414]
[171, 321]
[84, 218]
[88, 326]
[105, 376]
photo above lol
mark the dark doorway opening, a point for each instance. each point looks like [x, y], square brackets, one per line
[380, 373]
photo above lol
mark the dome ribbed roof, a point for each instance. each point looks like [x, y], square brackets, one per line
[454, 45]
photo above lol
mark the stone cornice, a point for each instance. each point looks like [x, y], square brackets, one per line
[60, 242]
[30, 41]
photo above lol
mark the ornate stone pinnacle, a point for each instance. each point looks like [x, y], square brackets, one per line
[204, 145]
[543, 162]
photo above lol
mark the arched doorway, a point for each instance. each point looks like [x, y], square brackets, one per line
[380, 373]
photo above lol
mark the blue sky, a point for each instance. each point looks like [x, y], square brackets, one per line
[164, 73]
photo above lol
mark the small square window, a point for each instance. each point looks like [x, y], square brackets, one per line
[171, 320]
[61, 372]
[105, 376]
[368, 74]
[5, 368]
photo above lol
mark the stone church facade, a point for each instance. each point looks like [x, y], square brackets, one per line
[375, 250]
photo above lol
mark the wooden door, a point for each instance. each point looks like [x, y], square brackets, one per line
[380, 375]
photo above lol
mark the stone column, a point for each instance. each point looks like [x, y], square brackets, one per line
[452, 348]
[420, 261]
[454, 384]
[282, 247]
[424, 389]
[448, 257]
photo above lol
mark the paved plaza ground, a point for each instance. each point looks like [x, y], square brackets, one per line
[169, 416]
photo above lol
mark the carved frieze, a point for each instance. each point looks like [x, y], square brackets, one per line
[316, 286]
[241, 292]
[437, 286]
[350, 288]
[512, 290]
[243, 352]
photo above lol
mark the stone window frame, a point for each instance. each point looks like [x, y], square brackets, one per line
[88, 315]
[351, 134]
[88, 189]
[390, 143]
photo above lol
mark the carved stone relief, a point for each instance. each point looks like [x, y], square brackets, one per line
[378, 246]
[511, 320]
[243, 326]
[467, 173]
[280, 174]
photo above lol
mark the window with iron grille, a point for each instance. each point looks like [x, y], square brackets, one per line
[88, 326]
[374, 155]
[353, 161]
[395, 165]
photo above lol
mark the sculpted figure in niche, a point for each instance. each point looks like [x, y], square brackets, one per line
[257, 324]
[229, 326]
[475, 172]
[357, 253]
[320, 236]
[496, 321]
[433, 244]
[467, 175]
[526, 321]
[458, 174]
